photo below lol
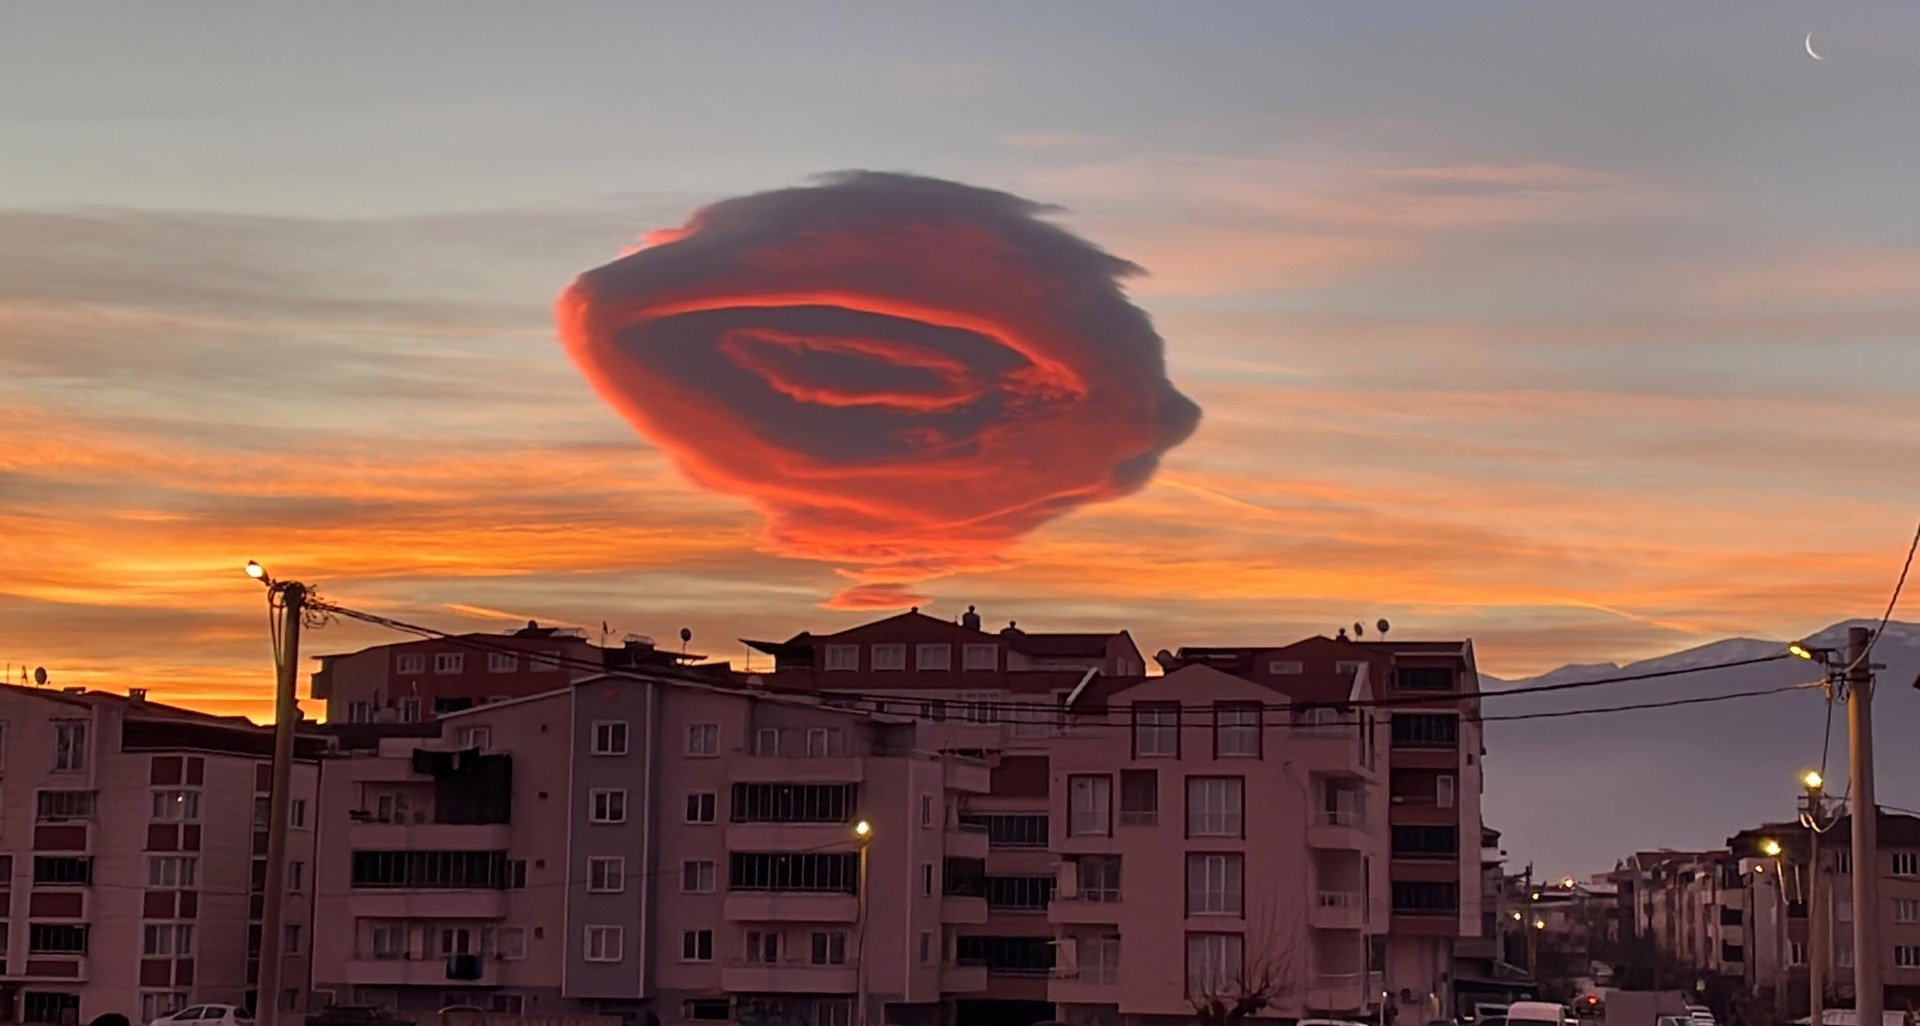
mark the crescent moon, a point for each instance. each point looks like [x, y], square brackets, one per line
[1810, 52]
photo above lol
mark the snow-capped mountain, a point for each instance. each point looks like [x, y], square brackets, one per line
[1575, 794]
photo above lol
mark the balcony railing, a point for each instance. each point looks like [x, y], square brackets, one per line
[1354, 818]
[1336, 899]
[1097, 974]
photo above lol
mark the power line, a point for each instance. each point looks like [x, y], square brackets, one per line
[1898, 586]
[920, 709]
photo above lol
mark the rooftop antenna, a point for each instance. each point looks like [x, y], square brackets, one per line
[1382, 626]
[686, 635]
[39, 675]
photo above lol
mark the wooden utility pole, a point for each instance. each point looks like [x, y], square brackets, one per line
[1868, 998]
[291, 597]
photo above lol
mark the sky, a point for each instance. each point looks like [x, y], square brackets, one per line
[1581, 330]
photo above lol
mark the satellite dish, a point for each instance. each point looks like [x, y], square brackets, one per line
[1383, 626]
[1359, 629]
[40, 676]
[686, 635]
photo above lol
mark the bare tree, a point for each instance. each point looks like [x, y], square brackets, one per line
[1269, 970]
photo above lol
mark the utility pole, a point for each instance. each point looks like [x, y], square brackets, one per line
[290, 598]
[1816, 923]
[1868, 1000]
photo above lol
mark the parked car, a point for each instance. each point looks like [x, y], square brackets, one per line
[1674, 1020]
[207, 1015]
[356, 1015]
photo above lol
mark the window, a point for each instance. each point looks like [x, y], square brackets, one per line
[1843, 862]
[980, 657]
[1906, 910]
[1423, 678]
[818, 872]
[1425, 842]
[1099, 877]
[1156, 730]
[965, 878]
[62, 869]
[543, 662]
[171, 870]
[1285, 667]
[696, 946]
[69, 746]
[291, 944]
[1349, 667]
[1796, 954]
[473, 737]
[1215, 806]
[1413, 897]
[1139, 797]
[358, 712]
[1089, 806]
[389, 941]
[56, 939]
[501, 662]
[708, 1009]
[157, 1003]
[766, 741]
[1906, 956]
[1426, 730]
[829, 947]
[410, 710]
[604, 943]
[56, 805]
[1100, 958]
[609, 805]
[763, 948]
[387, 808]
[934, 710]
[412, 663]
[891, 656]
[510, 943]
[700, 807]
[703, 739]
[176, 806]
[1443, 790]
[449, 662]
[606, 874]
[823, 741]
[926, 879]
[933, 657]
[1906, 863]
[1010, 829]
[1843, 911]
[1843, 952]
[843, 657]
[1213, 884]
[1019, 893]
[297, 813]
[1214, 964]
[168, 939]
[1236, 729]
[610, 737]
[696, 876]
[926, 947]
[296, 876]
[980, 707]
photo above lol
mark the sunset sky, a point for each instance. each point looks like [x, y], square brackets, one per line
[1584, 331]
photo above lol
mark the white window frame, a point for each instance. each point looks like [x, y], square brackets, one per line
[933, 657]
[176, 805]
[1090, 805]
[766, 741]
[1906, 862]
[396, 933]
[448, 663]
[69, 746]
[290, 943]
[703, 740]
[296, 875]
[1100, 958]
[1215, 962]
[1236, 730]
[1216, 807]
[607, 805]
[606, 733]
[926, 810]
[1156, 731]
[704, 876]
[697, 940]
[978, 656]
[297, 813]
[603, 942]
[822, 742]
[1906, 910]
[1906, 956]
[827, 947]
[926, 880]
[709, 803]
[410, 663]
[888, 655]
[502, 662]
[475, 736]
[842, 658]
[162, 940]
[1216, 884]
[1445, 790]
[178, 872]
[510, 950]
[606, 874]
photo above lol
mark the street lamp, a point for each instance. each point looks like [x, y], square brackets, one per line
[862, 830]
[1770, 848]
[289, 598]
[1812, 781]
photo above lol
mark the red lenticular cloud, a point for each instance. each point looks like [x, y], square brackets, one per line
[904, 374]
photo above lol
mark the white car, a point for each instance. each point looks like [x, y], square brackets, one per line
[207, 1015]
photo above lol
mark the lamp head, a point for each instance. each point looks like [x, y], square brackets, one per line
[256, 571]
[863, 830]
[1812, 780]
[1770, 848]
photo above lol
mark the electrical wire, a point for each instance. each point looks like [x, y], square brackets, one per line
[1892, 602]
[472, 643]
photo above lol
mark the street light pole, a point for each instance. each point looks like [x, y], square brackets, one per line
[864, 831]
[290, 598]
[1869, 1000]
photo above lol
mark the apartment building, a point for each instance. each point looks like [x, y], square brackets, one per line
[996, 695]
[417, 681]
[1217, 845]
[132, 843]
[664, 848]
[1433, 783]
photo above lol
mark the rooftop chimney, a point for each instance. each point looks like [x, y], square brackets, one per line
[970, 619]
[136, 694]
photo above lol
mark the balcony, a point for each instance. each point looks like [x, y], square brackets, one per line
[417, 972]
[1087, 985]
[1084, 910]
[1336, 910]
[962, 910]
[793, 907]
[1338, 830]
[791, 837]
[969, 775]
[425, 903]
[788, 978]
[966, 841]
[1339, 992]
[379, 836]
[962, 979]
[795, 769]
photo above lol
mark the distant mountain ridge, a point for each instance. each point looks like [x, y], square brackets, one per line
[1573, 794]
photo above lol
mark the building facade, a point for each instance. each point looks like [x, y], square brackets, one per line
[132, 844]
